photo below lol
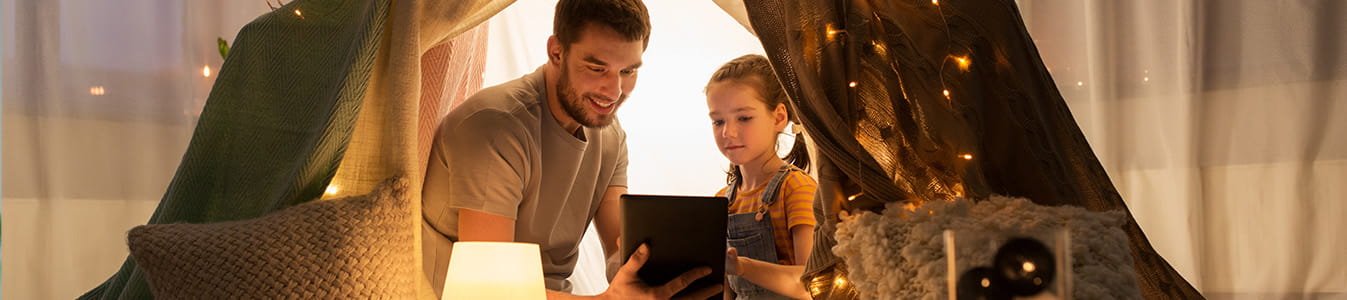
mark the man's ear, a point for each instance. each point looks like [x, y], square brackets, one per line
[554, 50]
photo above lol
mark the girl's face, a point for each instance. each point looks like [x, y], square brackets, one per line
[744, 127]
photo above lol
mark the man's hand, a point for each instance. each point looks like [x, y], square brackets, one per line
[626, 285]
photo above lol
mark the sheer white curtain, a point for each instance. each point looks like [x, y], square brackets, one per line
[668, 132]
[100, 99]
[1224, 126]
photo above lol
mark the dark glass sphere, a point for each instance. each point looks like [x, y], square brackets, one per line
[1026, 265]
[981, 283]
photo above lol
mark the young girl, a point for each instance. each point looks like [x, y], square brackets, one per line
[771, 217]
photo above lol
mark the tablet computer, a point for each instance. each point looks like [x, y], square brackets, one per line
[683, 232]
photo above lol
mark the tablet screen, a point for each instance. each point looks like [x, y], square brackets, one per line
[683, 232]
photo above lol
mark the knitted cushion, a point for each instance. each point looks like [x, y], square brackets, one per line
[355, 247]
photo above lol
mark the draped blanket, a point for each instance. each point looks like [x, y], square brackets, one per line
[922, 100]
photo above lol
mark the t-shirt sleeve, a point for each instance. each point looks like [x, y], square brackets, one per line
[799, 195]
[620, 168]
[487, 162]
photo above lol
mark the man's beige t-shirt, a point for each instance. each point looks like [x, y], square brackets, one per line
[502, 152]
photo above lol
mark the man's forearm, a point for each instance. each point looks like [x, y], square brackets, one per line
[558, 295]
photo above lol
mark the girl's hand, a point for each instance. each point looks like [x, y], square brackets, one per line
[732, 265]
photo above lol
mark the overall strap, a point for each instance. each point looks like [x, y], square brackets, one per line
[769, 192]
[774, 186]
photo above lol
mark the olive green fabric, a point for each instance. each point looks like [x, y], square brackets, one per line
[276, 123]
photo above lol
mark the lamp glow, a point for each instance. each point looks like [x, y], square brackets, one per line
[494, 270]
[205, 71]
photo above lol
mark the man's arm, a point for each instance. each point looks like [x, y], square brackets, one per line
[479, 226]
[608, 222]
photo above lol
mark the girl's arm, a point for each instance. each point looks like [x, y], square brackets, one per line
[782, 279]
[803, 237]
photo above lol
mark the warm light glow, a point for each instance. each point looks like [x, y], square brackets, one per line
[946, 94]
[879, 48]
[205, 71]
[936, 2]
[963, 62]
[96, 90]
[332, 190]
[839, 281]
[1080, 83]
[494, 270]
[967, 156]
[986, 282]
[852, 84]
[853, 197]
[297, 13]
[1029, 267]
[832, 32]
[1146, 79]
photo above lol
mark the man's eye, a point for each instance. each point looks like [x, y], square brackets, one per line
[596, 69]
[629, 72]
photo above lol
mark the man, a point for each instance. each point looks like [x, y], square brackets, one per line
[537, 158]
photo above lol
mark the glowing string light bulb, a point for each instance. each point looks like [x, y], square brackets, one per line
[852, 84]
[205, 71]
[300, 14]
[832, 32]
[332, 190]
[963, 62]
[967, 156]
[935, 2]
[946, 92]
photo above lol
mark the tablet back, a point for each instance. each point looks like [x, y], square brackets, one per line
[683, 232]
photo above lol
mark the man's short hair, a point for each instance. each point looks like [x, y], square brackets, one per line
[628, 17]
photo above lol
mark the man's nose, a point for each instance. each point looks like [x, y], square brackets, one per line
[611, 86]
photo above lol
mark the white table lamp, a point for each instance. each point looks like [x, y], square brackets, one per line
[494, 270]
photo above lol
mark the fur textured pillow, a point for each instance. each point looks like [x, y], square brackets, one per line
[355, 247]
[900, 254]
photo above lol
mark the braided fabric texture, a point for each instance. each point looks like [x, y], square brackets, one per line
[355, 247]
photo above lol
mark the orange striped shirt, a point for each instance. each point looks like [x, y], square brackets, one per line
[793, 207]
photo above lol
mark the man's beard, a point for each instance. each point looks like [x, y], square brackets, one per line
[574, 104]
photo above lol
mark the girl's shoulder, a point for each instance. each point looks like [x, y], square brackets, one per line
[798, 179]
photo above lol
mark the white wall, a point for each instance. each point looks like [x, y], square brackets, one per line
[671, 150]
[669, 135]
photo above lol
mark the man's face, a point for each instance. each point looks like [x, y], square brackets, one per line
[598, 71]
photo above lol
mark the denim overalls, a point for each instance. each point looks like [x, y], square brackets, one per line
[751, 234]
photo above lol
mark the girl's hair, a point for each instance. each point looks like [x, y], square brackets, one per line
[755, 71]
